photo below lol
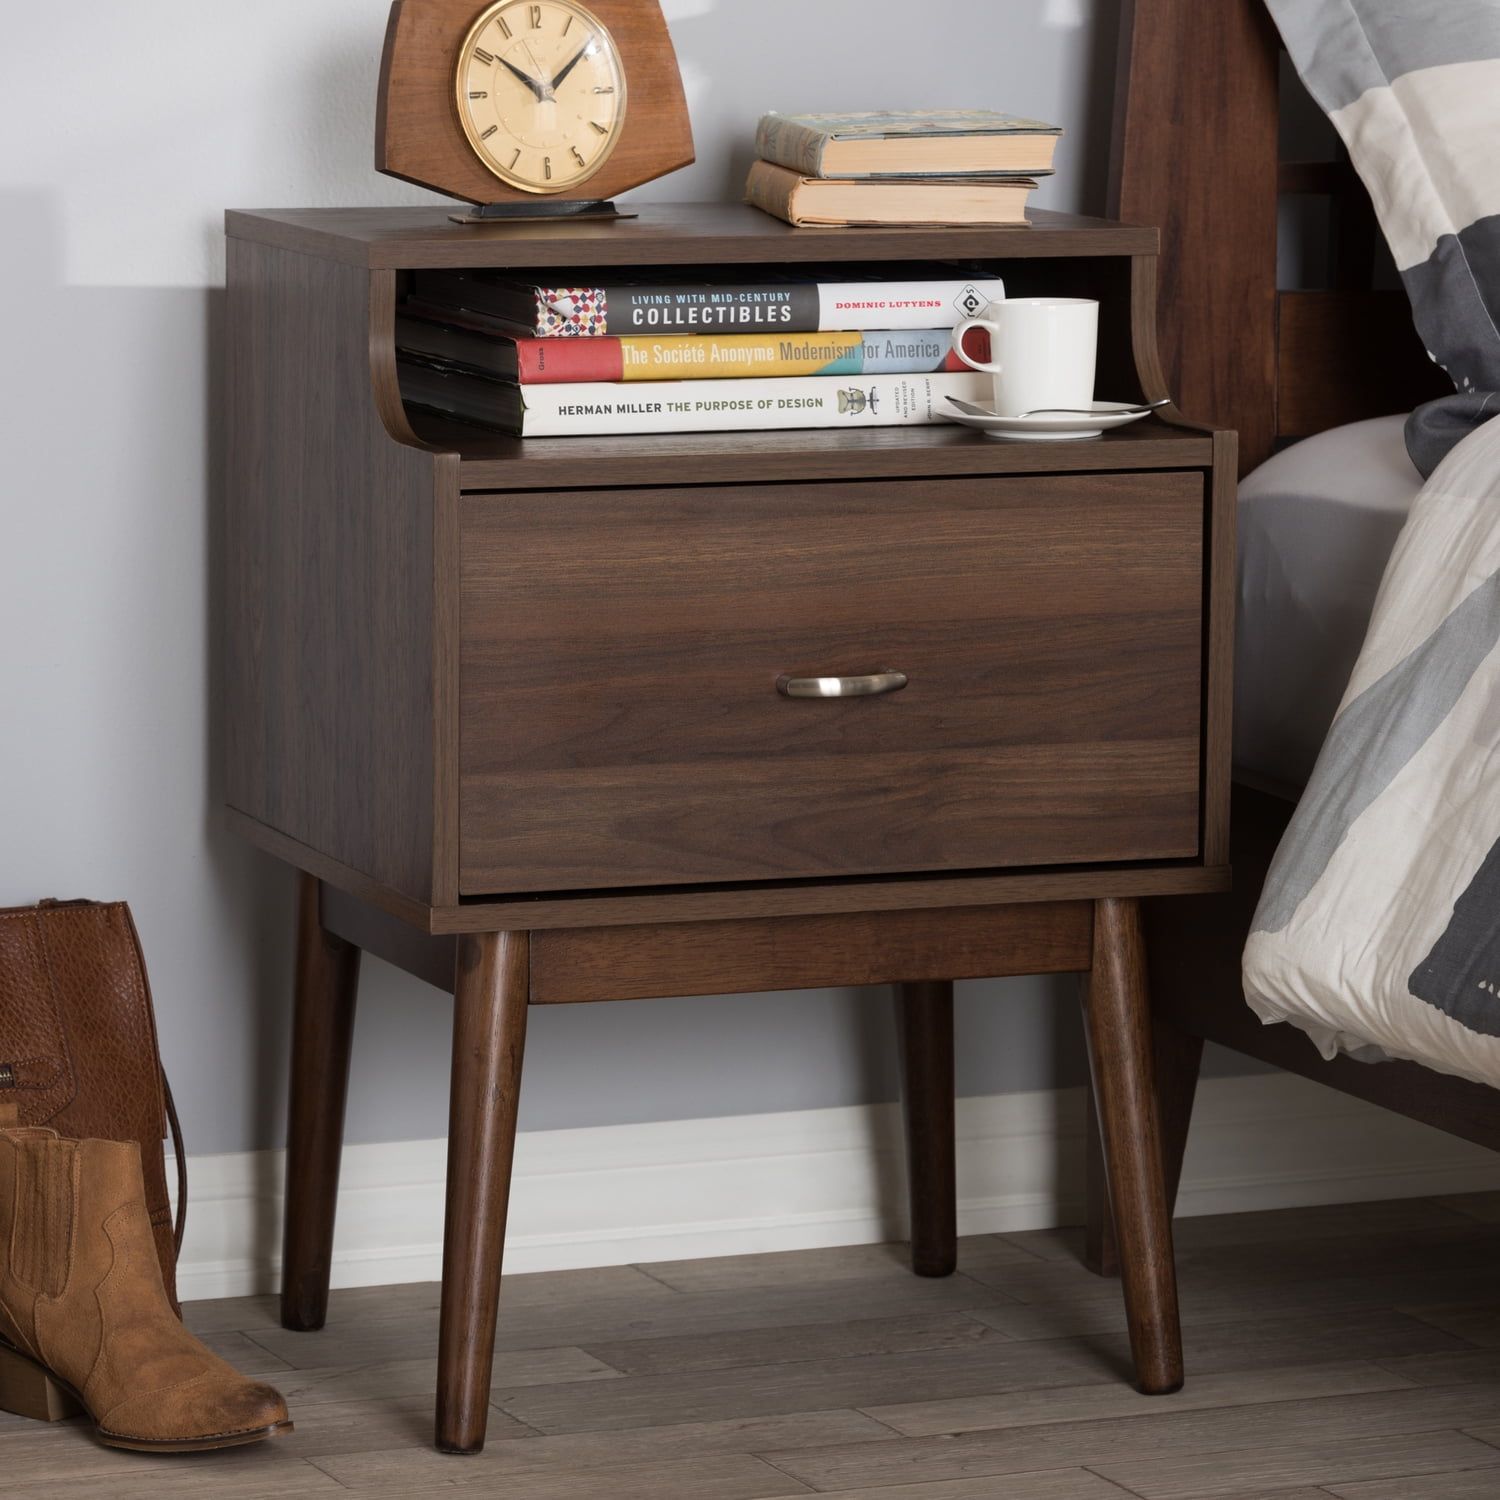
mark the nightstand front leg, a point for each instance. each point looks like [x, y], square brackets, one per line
[1176, 1057]
[326, 986]
[926, 1025]
[1118, 1022]
[491, 994]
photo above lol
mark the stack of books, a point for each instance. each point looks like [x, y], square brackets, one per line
[844, 348]
[965, 166]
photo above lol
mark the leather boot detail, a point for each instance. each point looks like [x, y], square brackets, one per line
[81, 1298]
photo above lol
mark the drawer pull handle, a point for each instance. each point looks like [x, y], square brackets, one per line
[870, 685]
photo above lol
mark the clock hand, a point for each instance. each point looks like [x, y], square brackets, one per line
[547, 87]
[568, 67]
[541, 90]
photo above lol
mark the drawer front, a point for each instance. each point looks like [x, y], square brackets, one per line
[621, 724]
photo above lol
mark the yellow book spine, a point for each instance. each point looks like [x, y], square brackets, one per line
[705, 357]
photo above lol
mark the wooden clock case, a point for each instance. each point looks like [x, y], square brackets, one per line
[418, 136]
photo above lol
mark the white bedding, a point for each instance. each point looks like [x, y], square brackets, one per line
[1317, 523]
[1379, 923]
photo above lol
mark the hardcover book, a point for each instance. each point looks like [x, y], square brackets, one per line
[921, 143]
[578, 309]
[687, 405]
[937, 201]
[678, 356]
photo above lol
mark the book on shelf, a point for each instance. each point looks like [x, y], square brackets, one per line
[573, 308]
[593, 408]
[920, 143]
[936, 201]
[471, 345]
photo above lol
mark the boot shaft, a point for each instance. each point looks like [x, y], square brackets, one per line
[55, 1196]
[38, 1194]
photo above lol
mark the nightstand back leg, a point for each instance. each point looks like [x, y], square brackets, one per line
[489, 1041]
[1118, 1023]
[926, 1028]
[326, 986]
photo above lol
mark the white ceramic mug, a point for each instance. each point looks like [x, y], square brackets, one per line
[1041, 351]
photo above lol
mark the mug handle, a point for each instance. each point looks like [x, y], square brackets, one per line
[958, 344]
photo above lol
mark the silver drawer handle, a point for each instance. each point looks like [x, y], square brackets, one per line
[871, 685]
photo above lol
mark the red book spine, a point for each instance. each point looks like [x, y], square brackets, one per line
[568, 361]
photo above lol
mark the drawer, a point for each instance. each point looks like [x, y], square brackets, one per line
[621, 724]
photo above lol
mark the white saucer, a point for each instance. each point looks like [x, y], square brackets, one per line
[1048, 429]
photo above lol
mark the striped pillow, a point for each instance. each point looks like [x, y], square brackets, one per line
[1413, 88]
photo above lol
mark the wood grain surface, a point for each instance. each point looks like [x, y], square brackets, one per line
[621, 724]
[721, 234]
[1117, 1022]
[1342, 356]
[325, 993]
[1287, 1398]
[708, 958]
[494, 461]
[489, 1043]
[328, 571]
[343, 654]
[1194, 151]
[925, 1027]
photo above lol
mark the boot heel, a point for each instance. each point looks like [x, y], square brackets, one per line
[27, 1390]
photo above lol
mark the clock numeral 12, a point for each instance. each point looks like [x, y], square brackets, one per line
[536, 17]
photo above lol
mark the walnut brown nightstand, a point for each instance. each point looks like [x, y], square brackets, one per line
[512, 708]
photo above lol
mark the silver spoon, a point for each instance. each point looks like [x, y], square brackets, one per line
[970, 409]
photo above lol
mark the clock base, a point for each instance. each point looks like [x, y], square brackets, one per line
[543, 209]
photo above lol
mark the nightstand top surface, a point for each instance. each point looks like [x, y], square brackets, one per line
[719, 233]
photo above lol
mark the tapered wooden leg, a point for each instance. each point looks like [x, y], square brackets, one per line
[327, 982]
[1176, 1058]
[926, 1023]
[1099, 1253]
[489, 1042]
[1118, 1023]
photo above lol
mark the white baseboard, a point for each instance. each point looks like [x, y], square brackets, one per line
[685, 1188]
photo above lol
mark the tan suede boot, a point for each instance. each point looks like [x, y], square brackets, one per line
[84, 1319]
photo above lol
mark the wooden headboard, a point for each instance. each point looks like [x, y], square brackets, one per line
[1196, 152]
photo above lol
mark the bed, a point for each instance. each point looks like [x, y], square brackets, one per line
[1197, 151]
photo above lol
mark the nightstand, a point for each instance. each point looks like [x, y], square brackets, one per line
[512, 708]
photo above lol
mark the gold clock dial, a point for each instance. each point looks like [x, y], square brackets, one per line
[541, 93]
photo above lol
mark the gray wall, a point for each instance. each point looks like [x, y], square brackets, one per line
[111, 258]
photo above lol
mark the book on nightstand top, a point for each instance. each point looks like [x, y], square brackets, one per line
[946, 200]
[919, 143]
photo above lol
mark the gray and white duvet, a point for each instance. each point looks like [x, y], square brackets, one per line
[1379, 925]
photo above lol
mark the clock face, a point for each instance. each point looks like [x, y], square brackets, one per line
[541, 93]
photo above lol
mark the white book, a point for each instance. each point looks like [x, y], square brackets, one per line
[775, 402]
[790, 401]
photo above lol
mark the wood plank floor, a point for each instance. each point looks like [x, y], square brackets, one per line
[1349, 1351]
